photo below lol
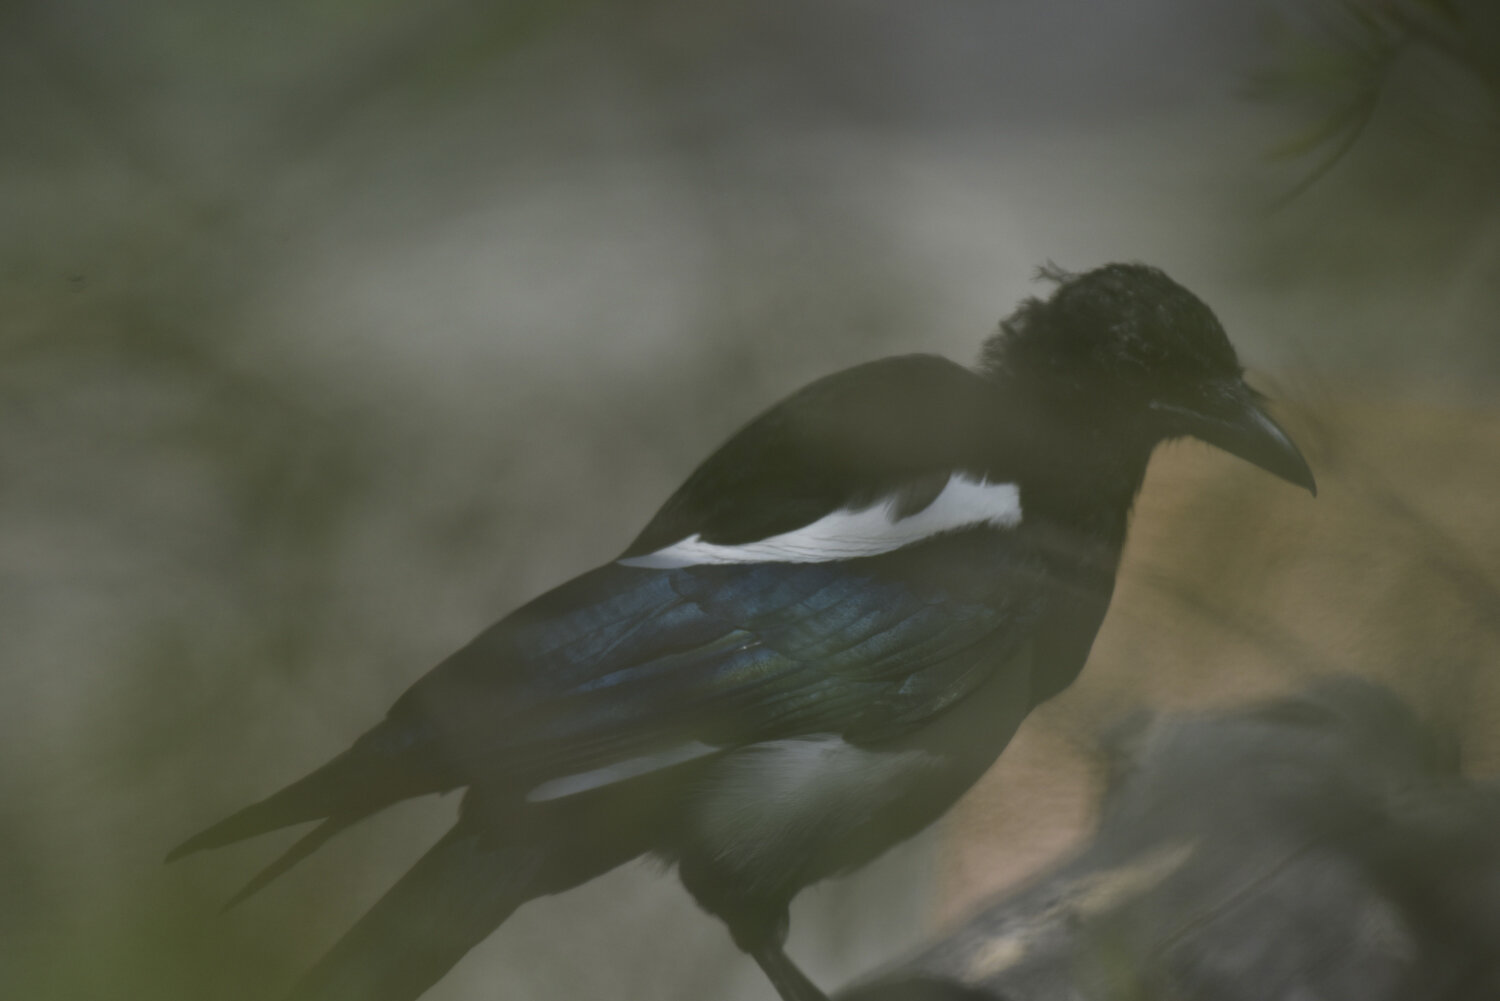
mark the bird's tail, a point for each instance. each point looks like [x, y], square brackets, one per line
[386, 765]
[459, 892]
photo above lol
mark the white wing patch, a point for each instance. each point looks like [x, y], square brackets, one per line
[619, 771]
[965, 502]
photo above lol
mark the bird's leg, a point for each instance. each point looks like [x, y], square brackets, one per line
[790, 982]
[764, 941]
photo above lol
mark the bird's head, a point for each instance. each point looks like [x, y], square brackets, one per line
[1141, 355]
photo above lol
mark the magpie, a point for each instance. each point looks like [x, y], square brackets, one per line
[817, 644]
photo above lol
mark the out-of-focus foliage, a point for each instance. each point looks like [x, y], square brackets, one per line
[1387, 114]
[183, 507]
[1342, 60]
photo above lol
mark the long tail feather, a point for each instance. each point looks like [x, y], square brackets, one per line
[382, 767]
[459, 892]
[306, 799]
[301, 849]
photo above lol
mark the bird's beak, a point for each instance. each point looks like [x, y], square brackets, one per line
[1230, 415]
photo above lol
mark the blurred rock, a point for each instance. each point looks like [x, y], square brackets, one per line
[1236, 588]
[1320, 845]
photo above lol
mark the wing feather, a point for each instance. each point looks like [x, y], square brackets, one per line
[630, 663]
[727, 655]
[892, 430]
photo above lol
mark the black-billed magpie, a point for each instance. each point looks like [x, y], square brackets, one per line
[820, 641]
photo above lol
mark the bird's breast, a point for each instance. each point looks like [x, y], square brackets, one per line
[778, 815]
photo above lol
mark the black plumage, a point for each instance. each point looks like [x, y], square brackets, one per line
[817, 644]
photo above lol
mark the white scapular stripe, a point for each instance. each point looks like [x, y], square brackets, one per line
[844, 534]
[619, 771]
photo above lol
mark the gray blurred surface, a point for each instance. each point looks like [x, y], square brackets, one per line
[1318, 845]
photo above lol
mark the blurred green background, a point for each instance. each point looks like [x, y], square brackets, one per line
[333, 330]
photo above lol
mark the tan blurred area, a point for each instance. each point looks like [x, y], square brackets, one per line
[1235, 586]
